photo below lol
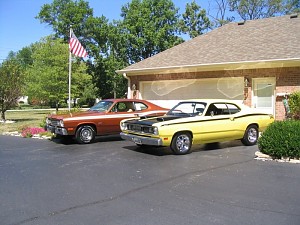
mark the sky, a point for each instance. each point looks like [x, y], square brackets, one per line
[19, 28]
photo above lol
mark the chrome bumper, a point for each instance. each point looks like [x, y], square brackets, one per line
[139, 140]
[57, 130]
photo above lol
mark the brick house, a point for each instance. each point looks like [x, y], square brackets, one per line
[256, 62]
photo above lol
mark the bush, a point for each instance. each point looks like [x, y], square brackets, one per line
[72, 110]
[294, 104]
[281, 139]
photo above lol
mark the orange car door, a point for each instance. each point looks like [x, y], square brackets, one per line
[111, 123]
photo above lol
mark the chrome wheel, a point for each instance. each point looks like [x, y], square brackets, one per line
[181, 143]
[85, 134]
[251, 135]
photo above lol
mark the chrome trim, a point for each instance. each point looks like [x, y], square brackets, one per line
[57, 130]
[144, 140]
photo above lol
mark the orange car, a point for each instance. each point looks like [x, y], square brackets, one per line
[101, 119]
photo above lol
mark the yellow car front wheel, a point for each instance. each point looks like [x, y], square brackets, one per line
[181, 143]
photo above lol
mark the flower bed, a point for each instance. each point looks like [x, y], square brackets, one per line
[29, 132]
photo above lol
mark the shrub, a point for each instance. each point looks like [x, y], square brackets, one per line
[72, 110]
[43, 122]
[294, 104]
[281, 139]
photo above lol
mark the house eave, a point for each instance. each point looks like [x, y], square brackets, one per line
[260, 64]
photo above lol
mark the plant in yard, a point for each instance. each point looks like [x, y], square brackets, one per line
[294, 103]
[281, 139]
[11, 84]
[28, 132]
[72, 110]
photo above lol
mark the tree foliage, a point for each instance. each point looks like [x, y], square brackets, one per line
[150, 26]
[291, 6]
[256, 9]
[47, 78]
[194, 21]
[221, 13]
[294, 102]
[61, 14]
[95, 35]
[147, 28]
[12, 83]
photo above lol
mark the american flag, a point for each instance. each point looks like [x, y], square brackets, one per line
[75, 47]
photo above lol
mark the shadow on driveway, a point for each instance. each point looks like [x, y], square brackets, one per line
[164, 151]
[72, 140]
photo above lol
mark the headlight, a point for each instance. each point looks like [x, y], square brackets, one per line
[154, 130]
[123, 126]
[61, 123]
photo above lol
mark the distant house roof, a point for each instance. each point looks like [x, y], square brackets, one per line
[263, 40]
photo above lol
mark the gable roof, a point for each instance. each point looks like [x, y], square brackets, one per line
[263, 40]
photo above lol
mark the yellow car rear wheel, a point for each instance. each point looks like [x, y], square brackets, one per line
[251, 135]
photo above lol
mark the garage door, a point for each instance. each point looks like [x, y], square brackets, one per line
[214, 88]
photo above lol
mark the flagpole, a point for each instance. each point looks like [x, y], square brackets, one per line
[70, 71]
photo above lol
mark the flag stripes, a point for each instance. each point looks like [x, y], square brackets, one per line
[75, 47]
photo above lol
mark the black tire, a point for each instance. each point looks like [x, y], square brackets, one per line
[181, 143]
[85, 134]
[250, 136]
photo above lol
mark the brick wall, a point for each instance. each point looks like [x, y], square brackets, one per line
[287, 81]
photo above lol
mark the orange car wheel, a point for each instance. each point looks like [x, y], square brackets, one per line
[85, 134]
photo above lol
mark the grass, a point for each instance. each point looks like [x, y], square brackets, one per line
[32, 118]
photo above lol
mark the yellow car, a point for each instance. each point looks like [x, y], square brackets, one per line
[197, 122]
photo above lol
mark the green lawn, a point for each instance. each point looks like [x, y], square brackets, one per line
[22, 118]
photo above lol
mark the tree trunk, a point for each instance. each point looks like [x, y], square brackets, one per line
[3, 115]
[57, 104]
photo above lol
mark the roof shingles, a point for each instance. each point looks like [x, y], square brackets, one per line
[257, 40]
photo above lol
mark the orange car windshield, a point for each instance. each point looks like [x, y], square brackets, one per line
[101, 106]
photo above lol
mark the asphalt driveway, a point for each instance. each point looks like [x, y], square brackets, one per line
[113, 182]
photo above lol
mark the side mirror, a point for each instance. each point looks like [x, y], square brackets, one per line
[212, 113]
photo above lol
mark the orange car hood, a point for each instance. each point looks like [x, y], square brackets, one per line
[77, 115]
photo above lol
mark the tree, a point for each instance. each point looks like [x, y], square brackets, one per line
[291, 6]
[195, 21]
[255, 9]
[24, 56]
[93, 32]
[11, 85]
[47, 78]
[61, 14]
[106, 47]
[150, 26]
[221, 13]
[82, 84]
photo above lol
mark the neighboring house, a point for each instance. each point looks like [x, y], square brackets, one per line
[256, 61]
[23, 99]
